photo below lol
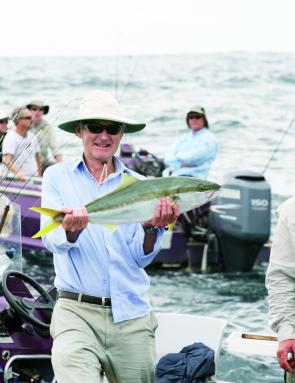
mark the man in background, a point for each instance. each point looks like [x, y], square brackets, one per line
[44, 133]
[21, 151]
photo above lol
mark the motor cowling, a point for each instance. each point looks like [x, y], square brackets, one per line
[240, 217]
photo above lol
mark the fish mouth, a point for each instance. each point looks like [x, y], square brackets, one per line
[213, 194]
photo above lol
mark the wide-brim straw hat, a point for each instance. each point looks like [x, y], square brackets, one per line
[40, 104]
[100, 105]
[3, 115]
[199, 110]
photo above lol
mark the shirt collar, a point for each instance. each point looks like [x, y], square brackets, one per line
[198, 132]
[119, 166]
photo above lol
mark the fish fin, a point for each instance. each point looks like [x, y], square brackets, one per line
[175, 199]
[43, 210]
[111, 228]
[46, 229]
[126, 180]
[51, 225]
[171, 225]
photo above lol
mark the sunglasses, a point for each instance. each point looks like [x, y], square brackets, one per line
[26, 118]
[97, 128]
[195, 116]
[36, 109]
[4, 121]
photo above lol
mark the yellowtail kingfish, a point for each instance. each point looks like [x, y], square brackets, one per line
[136, 200]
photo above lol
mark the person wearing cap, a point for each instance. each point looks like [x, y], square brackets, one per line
[3, 128]
[44, 132]
[194, 152]
[102, 322]
[21, 151]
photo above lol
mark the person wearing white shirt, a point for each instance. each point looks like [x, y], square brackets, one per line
[21, 151]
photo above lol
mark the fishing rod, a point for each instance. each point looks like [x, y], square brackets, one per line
[12, 160]
[4, 216]
[4, 174]
[48, 127]
[58, 113]
[29, 178]
[278, 145]
[130, 73]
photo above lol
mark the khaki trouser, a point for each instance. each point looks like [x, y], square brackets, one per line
[289, 378]
[87, 344]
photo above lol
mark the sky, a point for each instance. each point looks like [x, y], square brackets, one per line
[103, 27]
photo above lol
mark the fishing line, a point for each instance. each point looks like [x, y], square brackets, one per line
[278, 145]
[4, 174]
[52, 123]
[131, 72]
[29, 178]
[12, 160]
[58, 113]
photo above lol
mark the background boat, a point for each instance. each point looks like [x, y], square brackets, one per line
[227, 235]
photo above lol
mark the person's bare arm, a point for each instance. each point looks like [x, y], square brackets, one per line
[39, 164]
[8, 160]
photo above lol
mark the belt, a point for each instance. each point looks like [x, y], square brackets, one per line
[102, 301]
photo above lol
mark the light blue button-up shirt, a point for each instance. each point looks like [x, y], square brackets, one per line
[99, 263]
[198, 150]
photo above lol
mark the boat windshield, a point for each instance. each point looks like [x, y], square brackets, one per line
[10, 236]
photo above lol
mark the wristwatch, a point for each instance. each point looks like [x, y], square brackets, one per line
[150, 230]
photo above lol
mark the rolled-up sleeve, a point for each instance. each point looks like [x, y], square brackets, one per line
[280, 277]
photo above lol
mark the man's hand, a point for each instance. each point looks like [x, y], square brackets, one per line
[75, 220]
[19, 176]
[285, 347]
[166, 212]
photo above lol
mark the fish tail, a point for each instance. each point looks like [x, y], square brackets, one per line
[171, 225]
[51, 225]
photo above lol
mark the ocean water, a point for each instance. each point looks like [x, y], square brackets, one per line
[249, 99]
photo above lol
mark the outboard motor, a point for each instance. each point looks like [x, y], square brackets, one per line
[240, 219]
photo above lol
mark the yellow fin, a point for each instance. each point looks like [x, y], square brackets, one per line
[111, 228]
[126, 180]
[43, 210]
[171, 225]
[51, 225]
[46, 229]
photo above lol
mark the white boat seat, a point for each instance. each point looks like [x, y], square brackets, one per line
[177, 330]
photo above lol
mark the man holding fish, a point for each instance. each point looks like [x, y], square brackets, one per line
[102, 322]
